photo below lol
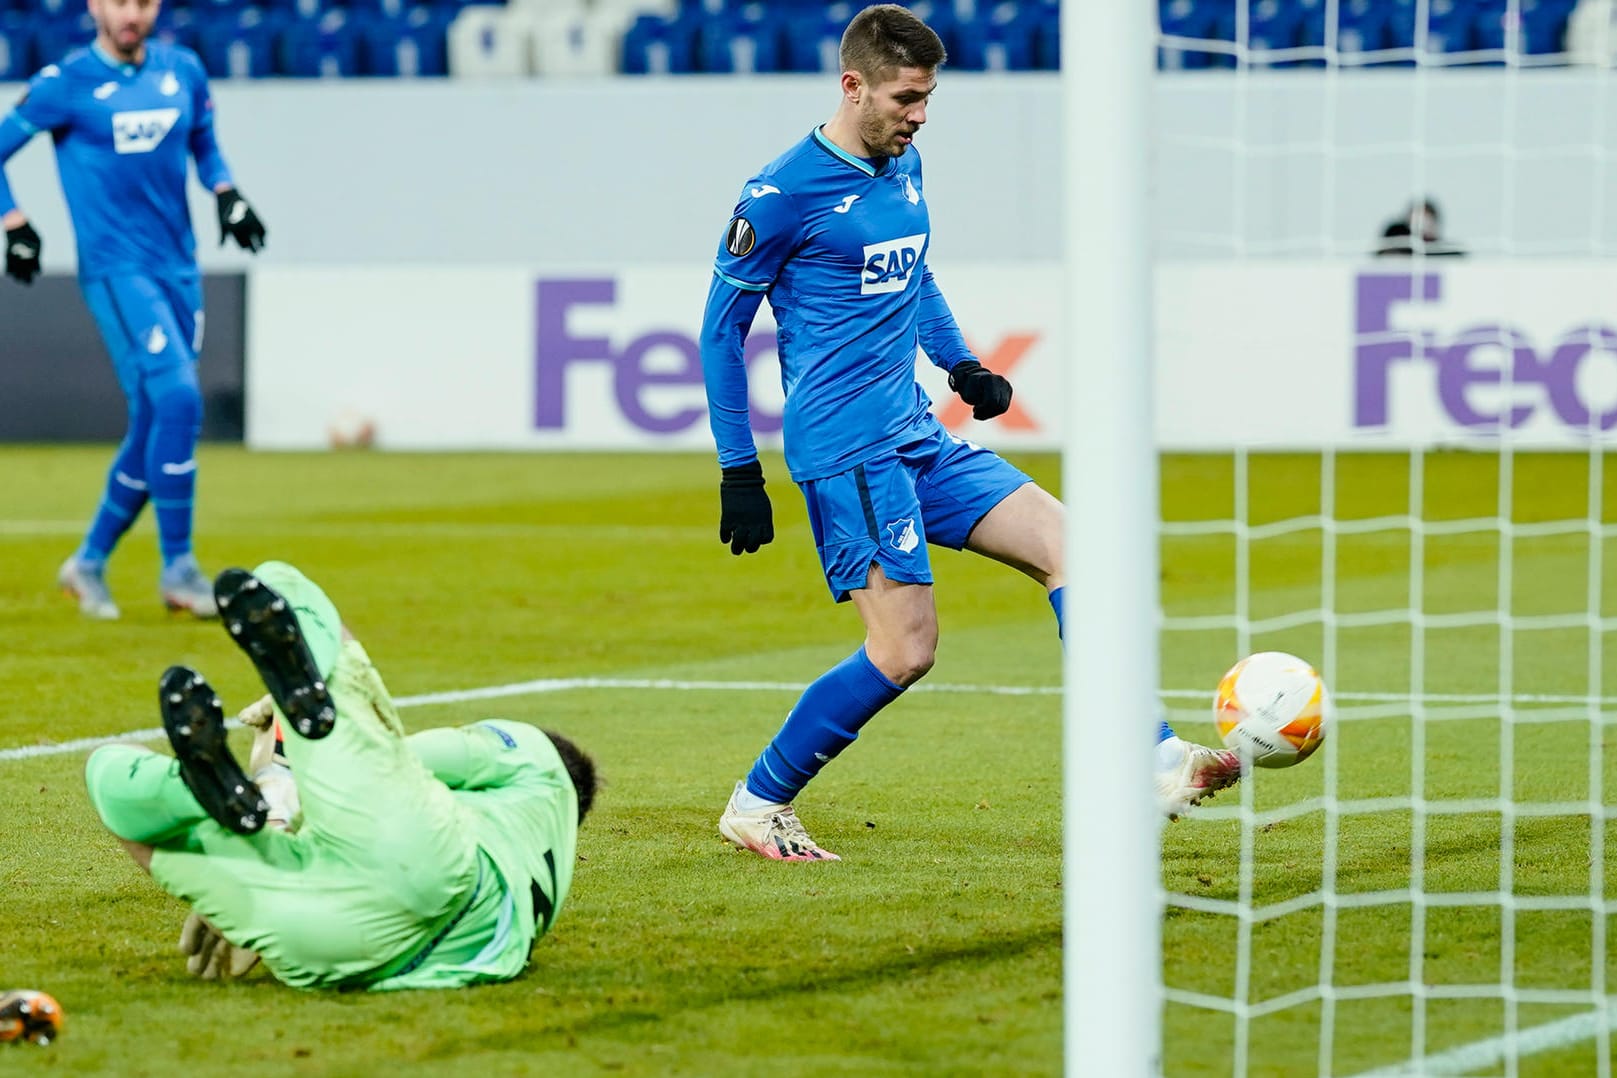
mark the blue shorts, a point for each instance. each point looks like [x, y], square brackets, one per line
[932, 490]
[151, 324]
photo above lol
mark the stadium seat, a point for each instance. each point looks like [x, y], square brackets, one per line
[16, 48]
[658, 46]
[1194, 22]
[998, 40]
[488, 42]
[322, 48]
[56, 38]
[811, 42]
[742, 45]
[238, 45]
[580, 43]
[414, 45]
[1272, 25]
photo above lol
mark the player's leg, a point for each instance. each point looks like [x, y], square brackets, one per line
[978, 501]
[169, 376]
[126, 491]
[365, 797]
[868, 528]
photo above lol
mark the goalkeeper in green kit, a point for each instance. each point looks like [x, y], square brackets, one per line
[428, 861]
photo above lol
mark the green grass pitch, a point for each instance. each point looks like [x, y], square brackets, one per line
[935, 946]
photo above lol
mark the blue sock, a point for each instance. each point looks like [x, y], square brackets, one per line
[1164, 731]
[825, 721]
[171, 460]
[121, 502]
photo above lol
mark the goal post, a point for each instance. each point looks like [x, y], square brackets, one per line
[1112, 975]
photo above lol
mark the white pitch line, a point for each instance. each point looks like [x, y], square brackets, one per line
[533, 688]
[1525, 1042]
[548, 685]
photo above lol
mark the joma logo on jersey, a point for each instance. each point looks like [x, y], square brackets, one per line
[141, 131]
[888, 265]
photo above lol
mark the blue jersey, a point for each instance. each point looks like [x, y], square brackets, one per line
[838, 243]
[124, 136]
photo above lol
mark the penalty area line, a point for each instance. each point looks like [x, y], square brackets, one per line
[1524, 1042]
[534, 688]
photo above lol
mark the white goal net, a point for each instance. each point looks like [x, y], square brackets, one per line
[1384, 451]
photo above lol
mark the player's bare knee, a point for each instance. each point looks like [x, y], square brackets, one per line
[904, 662]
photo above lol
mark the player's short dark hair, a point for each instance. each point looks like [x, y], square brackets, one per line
[885, 37]
[580, 768]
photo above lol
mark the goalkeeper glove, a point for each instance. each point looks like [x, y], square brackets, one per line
[22, 253]
[745, 519]
[989, 394]
[209, 955]
[238, 221]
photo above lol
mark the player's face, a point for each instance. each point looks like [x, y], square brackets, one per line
[122, 26]
[891, 112]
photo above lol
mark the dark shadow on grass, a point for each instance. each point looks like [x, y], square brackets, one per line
[774, 989]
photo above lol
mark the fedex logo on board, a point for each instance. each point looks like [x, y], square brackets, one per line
[656, 371]
[1488, 376]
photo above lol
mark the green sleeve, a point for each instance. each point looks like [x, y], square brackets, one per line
[467, 757]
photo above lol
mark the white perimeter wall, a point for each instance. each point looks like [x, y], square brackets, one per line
[414, 228]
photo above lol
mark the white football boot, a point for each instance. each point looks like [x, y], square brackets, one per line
[1188, 774]
[84, 581]
[774, 831]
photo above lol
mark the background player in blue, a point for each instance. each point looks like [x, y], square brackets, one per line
[835, 232]
[125, 115]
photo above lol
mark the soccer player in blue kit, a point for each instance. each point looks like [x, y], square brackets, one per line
[835, 232]
[126, 115]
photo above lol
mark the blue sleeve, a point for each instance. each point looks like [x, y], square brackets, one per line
[40, 109]
[763, 233]
[940, 333]
[725, 322]
[211, 168]
[14, 135]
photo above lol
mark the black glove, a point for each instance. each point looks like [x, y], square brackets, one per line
[238, 221]
[989, 394]
[22, 253]
[745, 520]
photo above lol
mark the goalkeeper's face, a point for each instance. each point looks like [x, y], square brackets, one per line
[891, 111]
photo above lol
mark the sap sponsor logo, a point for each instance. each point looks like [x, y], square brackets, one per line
[1489, 377]
[656, 371]
[888, 265]
[141, 131]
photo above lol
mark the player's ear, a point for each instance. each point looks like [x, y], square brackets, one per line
[852, 86]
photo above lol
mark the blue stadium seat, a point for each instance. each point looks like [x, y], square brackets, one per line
[322, 48]
[16, 48]
[413, 46]
[56, 38]
[1000, 39]
[740, 45]
[657, 46]
[1544, 26]
[239, 45]
[1047, 38]
[1190, 19]
[811, 42]
[1271, 25]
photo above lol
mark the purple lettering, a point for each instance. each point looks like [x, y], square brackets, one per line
[1456, 373]
[1377, 293]
[633, 376]
[555, 348]
[1562, 375]
[662, 357]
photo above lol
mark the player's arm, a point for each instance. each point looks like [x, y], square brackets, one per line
[40, 109]
[761, 235]
[466, 757]
[237, 219]
[989, 394]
